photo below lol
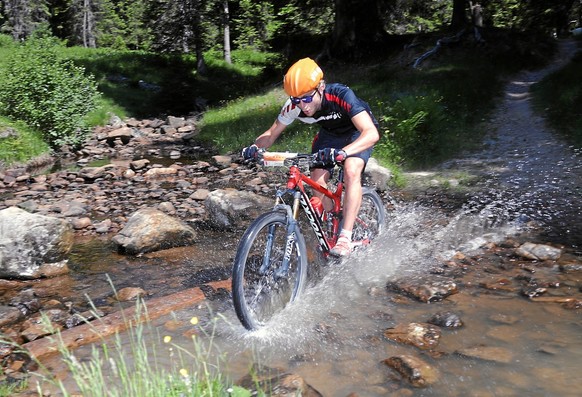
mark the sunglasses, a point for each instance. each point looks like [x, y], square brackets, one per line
[305, 98]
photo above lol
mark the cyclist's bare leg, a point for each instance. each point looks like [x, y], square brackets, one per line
[353, 167]
[321, 176]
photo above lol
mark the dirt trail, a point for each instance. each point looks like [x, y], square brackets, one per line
[524, 166]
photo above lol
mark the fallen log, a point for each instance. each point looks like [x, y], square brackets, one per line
[440, 42]
[119, 321]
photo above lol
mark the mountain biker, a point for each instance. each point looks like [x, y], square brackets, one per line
[348, 132]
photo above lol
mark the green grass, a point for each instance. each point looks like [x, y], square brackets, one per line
[559, 97]
[20, 144]
[10, 390]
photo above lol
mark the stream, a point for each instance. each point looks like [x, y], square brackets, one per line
[526, 187]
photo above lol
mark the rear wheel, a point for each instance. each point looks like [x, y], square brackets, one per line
[371, 217]
[260, 287]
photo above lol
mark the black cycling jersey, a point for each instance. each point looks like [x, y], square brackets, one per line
[338, 105]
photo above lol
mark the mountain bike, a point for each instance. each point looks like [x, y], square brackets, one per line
[271, 262]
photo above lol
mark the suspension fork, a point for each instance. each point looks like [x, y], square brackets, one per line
[291, 235]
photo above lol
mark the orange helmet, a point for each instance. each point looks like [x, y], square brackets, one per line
[302, 77]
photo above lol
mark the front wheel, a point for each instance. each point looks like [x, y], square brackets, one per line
[261, 284]
[371, 217]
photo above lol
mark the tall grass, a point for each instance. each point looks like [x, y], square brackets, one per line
[134, 366]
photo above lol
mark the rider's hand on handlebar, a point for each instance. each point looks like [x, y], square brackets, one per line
[330, 156]
[250, 152]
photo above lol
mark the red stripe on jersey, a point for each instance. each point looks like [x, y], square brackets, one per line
[288, 108]
[339, 101]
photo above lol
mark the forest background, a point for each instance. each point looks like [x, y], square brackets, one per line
[68, 65]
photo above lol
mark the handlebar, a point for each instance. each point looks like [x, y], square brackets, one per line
[279, 159]
[287, 159]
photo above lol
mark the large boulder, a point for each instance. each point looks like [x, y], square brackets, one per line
[30, 241]
[230, 208]
[149, 229]
[377, 175]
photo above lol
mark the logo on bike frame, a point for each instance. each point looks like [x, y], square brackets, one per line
[317, 229]
[289, 247]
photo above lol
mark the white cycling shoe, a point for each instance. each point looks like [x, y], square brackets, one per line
[343, 247]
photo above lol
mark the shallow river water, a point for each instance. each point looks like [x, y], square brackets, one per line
[528, 189]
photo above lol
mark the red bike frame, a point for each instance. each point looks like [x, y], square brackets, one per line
[296, 182]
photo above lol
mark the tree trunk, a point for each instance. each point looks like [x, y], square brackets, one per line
[88, 28]
[358, 28]
[459, 18]
[17, 12]
[226, 22]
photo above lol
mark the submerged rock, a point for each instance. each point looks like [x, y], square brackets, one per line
[487, 353]
[276, 382]
[414, 370]
[446, 319]
[425, 289]
[538, 252]
[422, 335]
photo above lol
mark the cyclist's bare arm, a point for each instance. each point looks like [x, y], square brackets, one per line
[267, 138]
[368, 137]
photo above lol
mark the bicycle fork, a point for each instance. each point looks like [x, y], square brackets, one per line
[289, 240]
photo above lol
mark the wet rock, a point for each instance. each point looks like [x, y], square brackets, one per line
[446, 320]
[200, 194]
[167, 207]
[414, 370]
[571, 267]
[139, 164]
[538, 252]
[487, 353]
[54, 269]
[421, 335]
[176, 122]
[9, 315]
[504, 318]
[228, 208]
[103, 226]
[92, 173]
[123, 135]
[73, 208]
[129, 293]
[425, 289]
[26, 301]
[276, 382]
[81, 223]
[222, 161]
[574, 304]
[379, 176]
[28, 241]
[43, 324]
[533, 289]
[149, 230]
[160, 172]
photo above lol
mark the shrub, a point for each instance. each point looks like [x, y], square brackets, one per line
[413, 130]
[46, 92]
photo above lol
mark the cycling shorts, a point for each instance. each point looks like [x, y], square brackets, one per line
[324, 140]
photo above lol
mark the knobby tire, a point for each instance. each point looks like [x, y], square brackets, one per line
[371, 216]
[258, 297]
